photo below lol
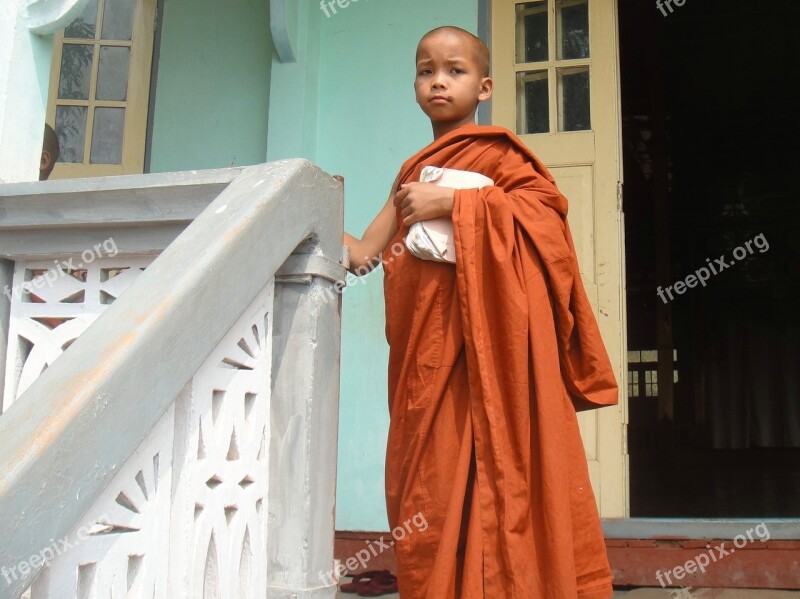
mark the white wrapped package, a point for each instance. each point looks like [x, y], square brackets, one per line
[433, 239]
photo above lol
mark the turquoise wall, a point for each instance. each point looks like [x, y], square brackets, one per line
[293, 106]
[213, 81]
[368, 123]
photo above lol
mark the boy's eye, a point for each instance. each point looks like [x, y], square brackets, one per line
[458, 71]
[425, 72]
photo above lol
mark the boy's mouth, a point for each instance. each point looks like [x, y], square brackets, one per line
[440, 100]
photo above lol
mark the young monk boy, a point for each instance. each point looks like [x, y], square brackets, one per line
[489, 359]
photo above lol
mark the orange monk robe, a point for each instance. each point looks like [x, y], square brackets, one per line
[488, 360]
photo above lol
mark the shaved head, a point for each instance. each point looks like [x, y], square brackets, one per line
[479, 50]
[50, 152]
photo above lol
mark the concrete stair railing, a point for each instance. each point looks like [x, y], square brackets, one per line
[169, 425]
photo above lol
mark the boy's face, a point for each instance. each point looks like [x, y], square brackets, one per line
[450, 82]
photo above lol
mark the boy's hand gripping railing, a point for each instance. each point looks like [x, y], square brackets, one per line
[226, 330]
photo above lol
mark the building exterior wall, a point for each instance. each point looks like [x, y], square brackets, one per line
[212, 85]
[368, 123]
[295, 102]
[24, 75]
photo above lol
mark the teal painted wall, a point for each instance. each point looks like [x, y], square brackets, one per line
[294, 103]
[213, 81]
[368, 123]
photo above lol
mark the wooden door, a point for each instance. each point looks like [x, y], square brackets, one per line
[556, 72]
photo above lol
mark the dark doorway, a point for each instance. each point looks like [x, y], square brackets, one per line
[710, 95]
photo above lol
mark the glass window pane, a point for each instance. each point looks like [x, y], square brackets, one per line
[533, 105]
[572, 24]
[118, 20]
[112, 75]
[532, 32]
[84, 26]
[573, 99]
[633, 383]
[650, 355]
[107, 130]
[76, 71]
[71, 132]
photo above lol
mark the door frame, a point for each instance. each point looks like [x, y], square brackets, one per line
[587, 165]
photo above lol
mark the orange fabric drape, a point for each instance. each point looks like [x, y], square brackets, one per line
[489, 359]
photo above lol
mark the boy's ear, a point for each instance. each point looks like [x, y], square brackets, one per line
[487, 87]
[45, 165]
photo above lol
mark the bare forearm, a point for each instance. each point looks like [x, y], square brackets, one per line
[365, 252]
[355, 250]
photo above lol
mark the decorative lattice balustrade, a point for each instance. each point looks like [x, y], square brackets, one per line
[169, 367]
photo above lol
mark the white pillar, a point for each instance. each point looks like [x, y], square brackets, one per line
[26, 46]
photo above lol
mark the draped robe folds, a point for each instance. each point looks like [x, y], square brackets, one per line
[489, 360]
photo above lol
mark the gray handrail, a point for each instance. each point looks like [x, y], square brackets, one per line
[64, 439]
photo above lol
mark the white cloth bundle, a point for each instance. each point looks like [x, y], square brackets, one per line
[434, 239]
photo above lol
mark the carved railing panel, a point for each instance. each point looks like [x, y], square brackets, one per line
[136, 458]
[52, 303]
[117, 548]
[219, 516]
[197, 486]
